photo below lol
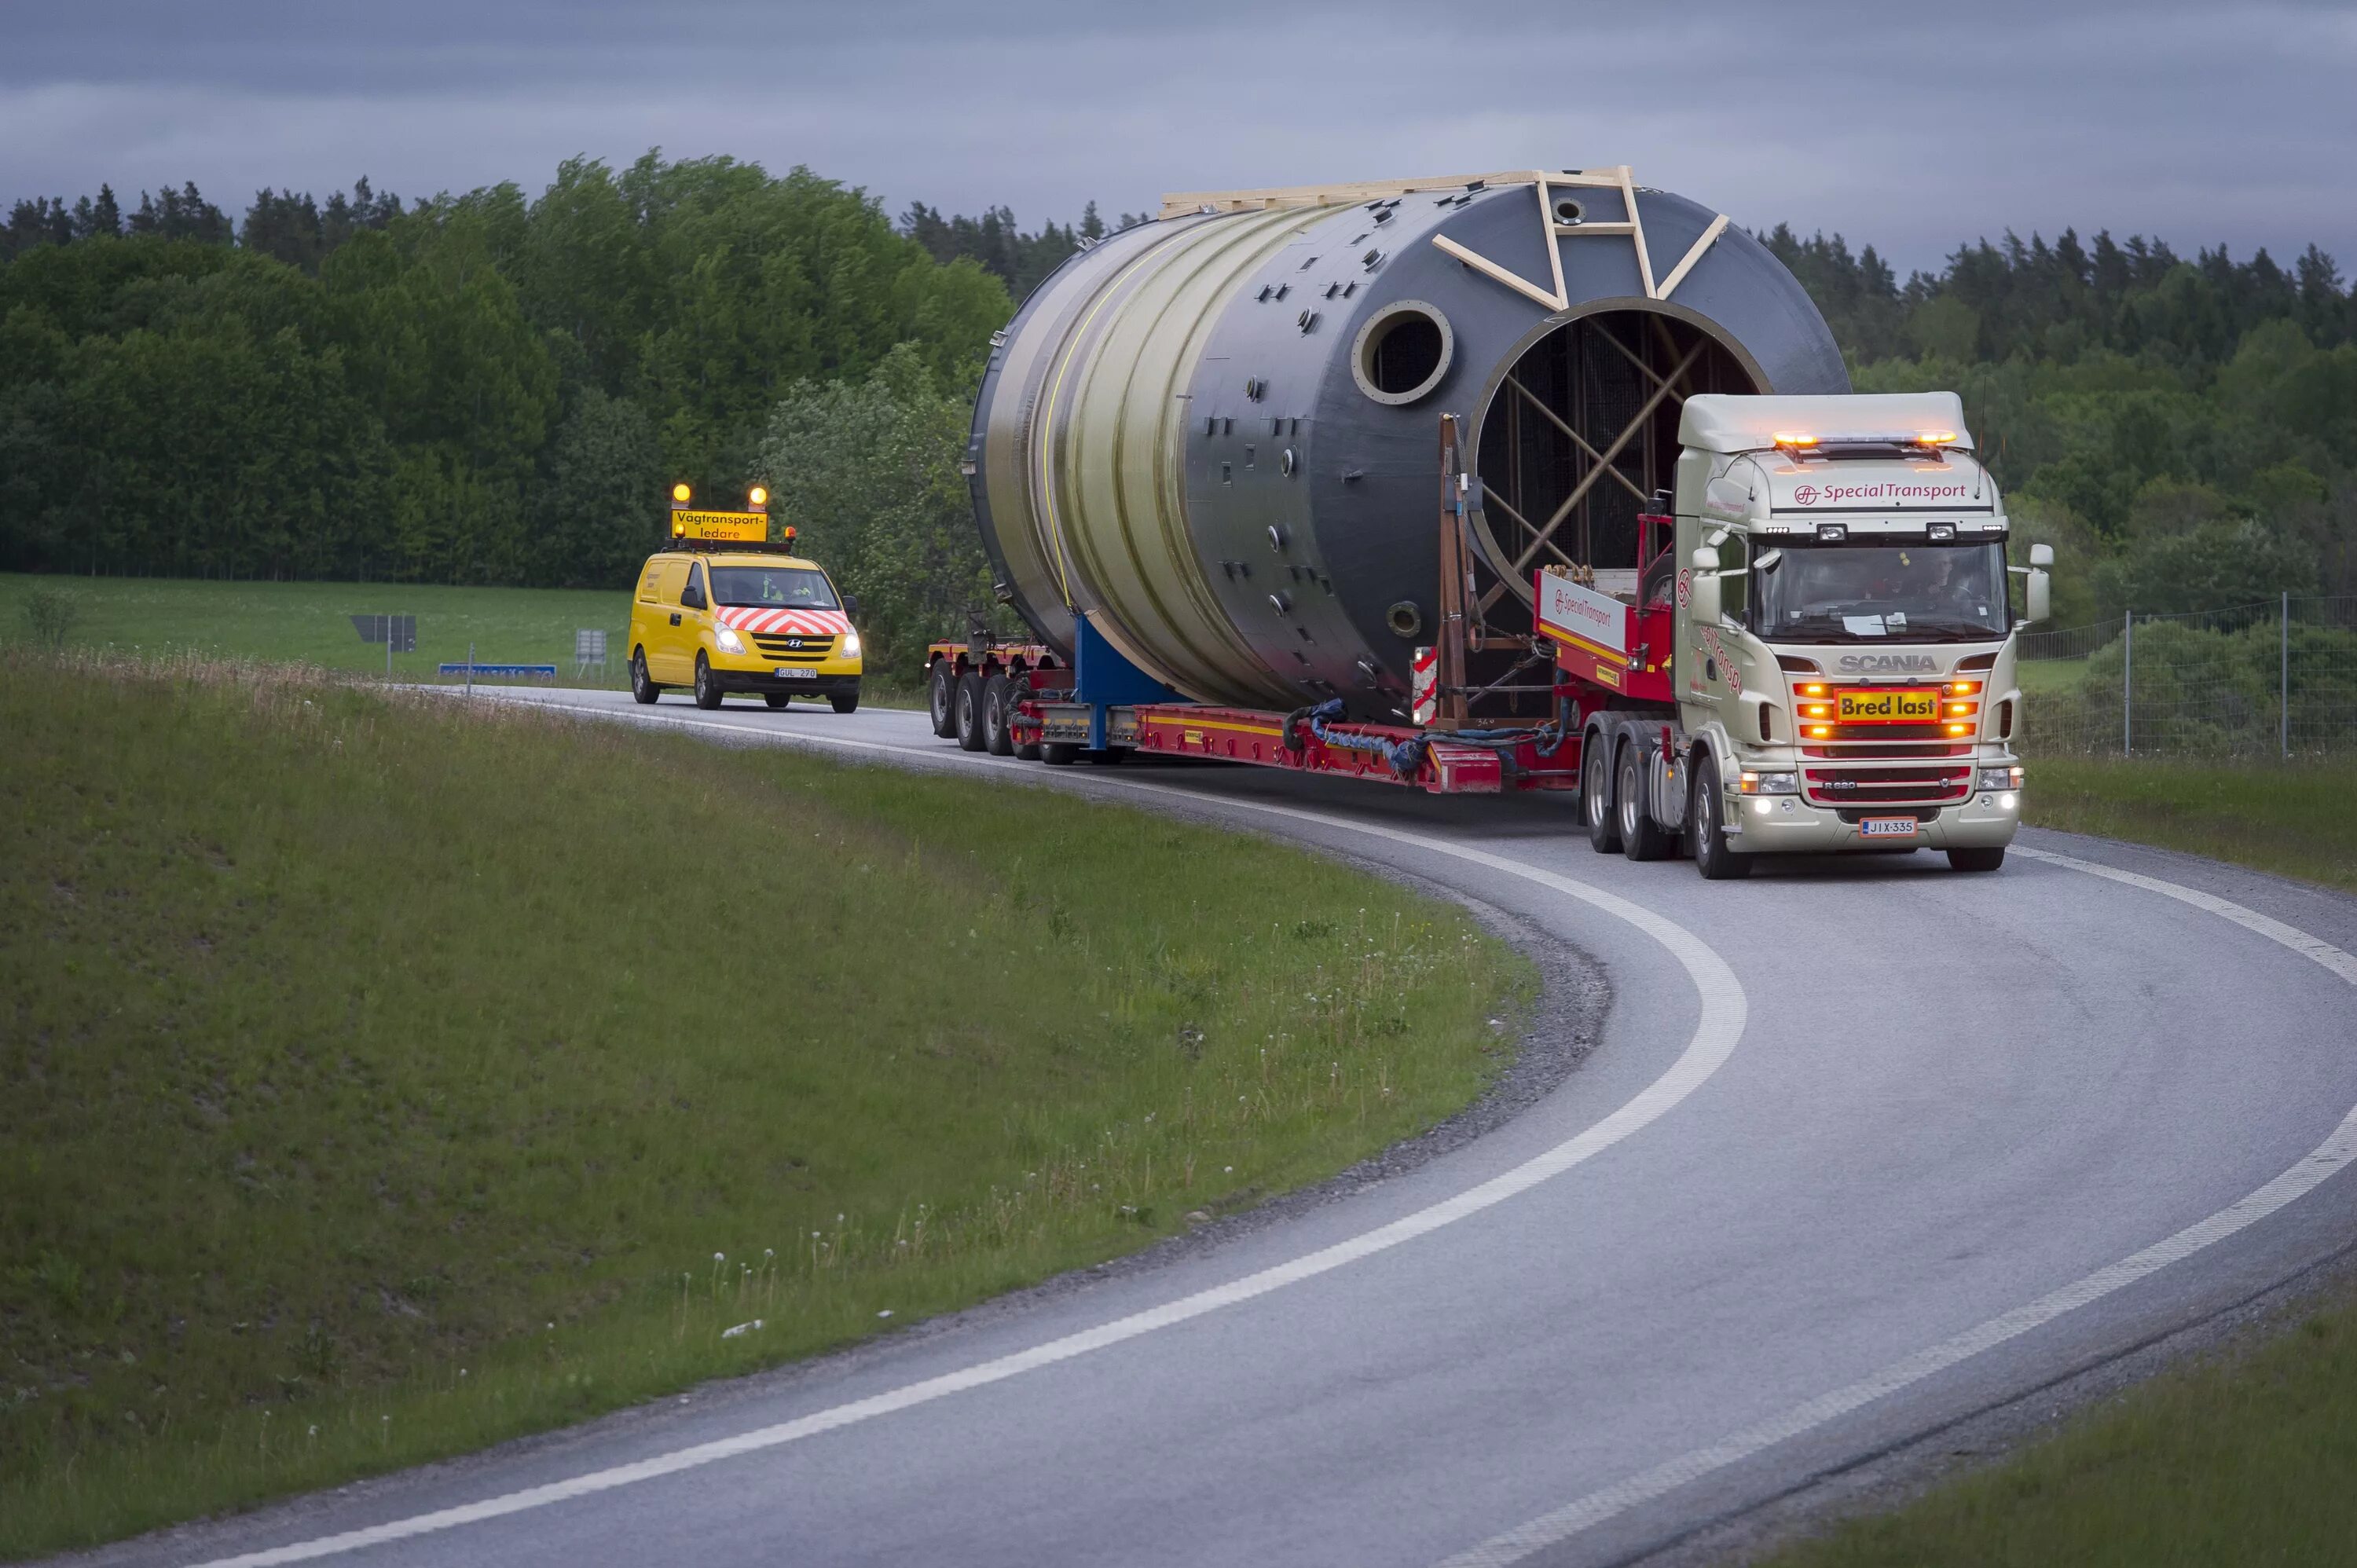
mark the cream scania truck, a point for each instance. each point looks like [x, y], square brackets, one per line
[1840, 667]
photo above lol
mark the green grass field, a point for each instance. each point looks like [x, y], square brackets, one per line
[2249, 1456]
[308, 623]
[2293, 821]
[384, 1077]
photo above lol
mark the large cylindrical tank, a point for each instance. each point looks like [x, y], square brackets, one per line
[1217, 436]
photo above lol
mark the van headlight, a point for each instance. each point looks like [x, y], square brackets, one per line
[851, 645]
[728, 640]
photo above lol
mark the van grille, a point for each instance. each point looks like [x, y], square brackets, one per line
[793, 650]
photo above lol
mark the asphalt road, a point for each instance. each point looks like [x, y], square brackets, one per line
[1867, 1147]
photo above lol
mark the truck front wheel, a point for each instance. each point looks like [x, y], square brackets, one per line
[1596, 795]
[1641, 838]
[1977, 858]
[1713, 857]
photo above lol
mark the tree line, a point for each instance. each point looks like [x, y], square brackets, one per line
[2183, 430]
[494, 387]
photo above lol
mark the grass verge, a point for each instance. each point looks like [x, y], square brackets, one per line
[385, 1080]
[2245, 1457]
[309, 623]
[2292, 821]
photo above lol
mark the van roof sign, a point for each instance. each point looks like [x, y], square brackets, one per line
[734, 527]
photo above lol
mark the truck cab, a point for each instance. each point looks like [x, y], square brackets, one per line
[1841, 642]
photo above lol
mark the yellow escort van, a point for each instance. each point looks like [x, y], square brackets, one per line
[742, 620]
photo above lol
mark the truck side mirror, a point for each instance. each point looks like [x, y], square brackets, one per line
[2041, 555]
[1702, 593]
[2038, 591]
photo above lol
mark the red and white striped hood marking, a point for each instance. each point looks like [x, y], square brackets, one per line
[760, 618]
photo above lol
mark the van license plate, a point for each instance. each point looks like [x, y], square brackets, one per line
[795, 672]
[1887, 827]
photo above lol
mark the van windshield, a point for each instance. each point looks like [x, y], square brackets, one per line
[1869, 592]
[781, 587]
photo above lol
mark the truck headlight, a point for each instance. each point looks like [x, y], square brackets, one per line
[2000, 779]
[728, 640]
[1768, 784]
[851, 645]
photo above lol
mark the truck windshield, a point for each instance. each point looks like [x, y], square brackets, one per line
[784, 587]
[1869, 592]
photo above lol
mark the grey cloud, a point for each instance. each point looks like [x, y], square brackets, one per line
[2202, 125]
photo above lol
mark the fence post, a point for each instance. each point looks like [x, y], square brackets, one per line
[2286, 675]
[2127, 684]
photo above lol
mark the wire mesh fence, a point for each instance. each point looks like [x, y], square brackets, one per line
[2273, 679]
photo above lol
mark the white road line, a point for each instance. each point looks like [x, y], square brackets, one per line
[1724, 1007]
[2326, 1160]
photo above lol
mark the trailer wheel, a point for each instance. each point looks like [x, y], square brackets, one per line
[643, 691]
[1712, 857]
[1058, 753]
[1596, 795]
[1108, 756]
[941, 697]
[969, 712]
[997, 694]
[707, 688]
[1641, 838]
[1978, 858]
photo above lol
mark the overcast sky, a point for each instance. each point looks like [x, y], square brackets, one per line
[1911, 127]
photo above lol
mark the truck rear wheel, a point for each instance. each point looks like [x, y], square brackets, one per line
[969, 712]
[941, 697]
[1596, 795]
[997, 694]
[1977, 858]
[1712, 856]
[1641, 838]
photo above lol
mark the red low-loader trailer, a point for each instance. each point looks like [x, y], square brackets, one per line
[1020, 699]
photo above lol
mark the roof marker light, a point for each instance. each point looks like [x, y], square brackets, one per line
[1793, 438]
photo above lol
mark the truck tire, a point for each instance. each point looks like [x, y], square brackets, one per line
[940, 698]
[643, 691]
[707, 687]
[997, 694]
[778, 699]
[969, 712]
[1979, 858]
[1712, 856]
[1058, 753]
[1641, 838]
[1596, 794]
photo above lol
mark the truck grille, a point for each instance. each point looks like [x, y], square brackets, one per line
[1917, 786]
[791, 649]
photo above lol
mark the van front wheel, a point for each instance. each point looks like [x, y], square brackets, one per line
[707, 687]
[644, 690]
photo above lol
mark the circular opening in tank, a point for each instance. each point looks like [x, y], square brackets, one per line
[1403, 351]
[1405, 619]
[1580, 435]
[1569, 211]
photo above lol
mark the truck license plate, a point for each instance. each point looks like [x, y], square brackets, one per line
[1901, 705]
[795, 672]
[1887, 827]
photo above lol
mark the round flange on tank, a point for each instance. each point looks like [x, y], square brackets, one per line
[1217, 436]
